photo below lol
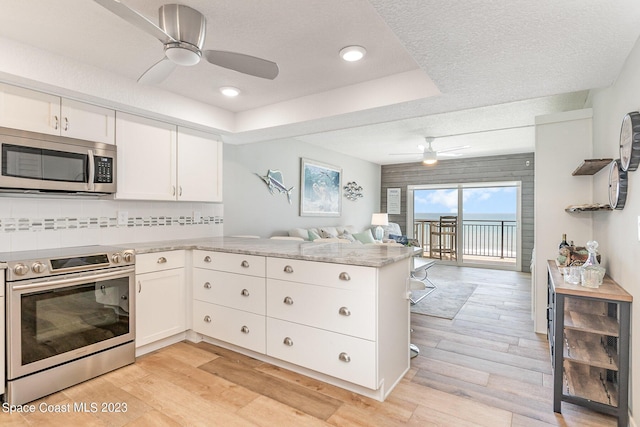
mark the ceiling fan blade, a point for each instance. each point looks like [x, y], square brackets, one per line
[136, 19]
[243, 63]
[462, 147]
[158, 72]
[440, 153]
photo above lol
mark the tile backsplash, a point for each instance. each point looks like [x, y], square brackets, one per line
[28, 223]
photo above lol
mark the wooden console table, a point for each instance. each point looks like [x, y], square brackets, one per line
[588, 331]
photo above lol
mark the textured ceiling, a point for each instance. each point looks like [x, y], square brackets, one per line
[475, 68]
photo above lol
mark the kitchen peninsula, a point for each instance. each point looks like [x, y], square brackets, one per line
[335, 312]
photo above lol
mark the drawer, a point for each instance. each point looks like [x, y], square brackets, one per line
[237, 327]
[339, 310]
[348, 358]
[354, 277]
[158, 261]
[233, 263]
[231, 290]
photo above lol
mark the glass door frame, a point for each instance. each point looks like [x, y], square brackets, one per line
[459, 243]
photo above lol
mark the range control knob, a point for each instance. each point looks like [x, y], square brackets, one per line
[38, 267]
[128, 256]
[116, 258]
[20, 269]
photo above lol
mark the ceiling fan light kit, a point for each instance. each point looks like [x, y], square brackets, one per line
[429, 158]
[181, 54]
[352, 53]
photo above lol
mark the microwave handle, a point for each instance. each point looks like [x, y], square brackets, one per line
[92, 170]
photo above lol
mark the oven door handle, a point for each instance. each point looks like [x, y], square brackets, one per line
[74, 280]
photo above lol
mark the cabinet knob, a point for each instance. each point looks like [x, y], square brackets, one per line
[344, 311]
[244, 293]
[244, 330]
[288, 300]
[66, 124]
[288, 269]
[288, 341]
[207, 285]
[173, 190]
[344, 357]
[244, 264]
[207, 319]
[162, 260]
[139, 286]
[180, 193]
[344, 276]
[57, 122]
[207, 259]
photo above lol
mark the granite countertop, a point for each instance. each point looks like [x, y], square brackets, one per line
[373, 255]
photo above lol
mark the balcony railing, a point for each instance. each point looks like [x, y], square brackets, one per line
[485, 238]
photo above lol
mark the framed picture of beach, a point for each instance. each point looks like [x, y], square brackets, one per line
[320, 187]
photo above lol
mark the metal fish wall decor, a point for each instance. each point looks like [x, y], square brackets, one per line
[273, 179]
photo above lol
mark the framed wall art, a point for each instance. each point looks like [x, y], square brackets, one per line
[320, 187]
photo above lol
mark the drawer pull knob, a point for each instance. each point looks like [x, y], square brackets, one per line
[244, 264]
[344, 311]
[207, 285]
[288, 269]
[207, 319]
[288, 341]
[207, 259]
[344, 276]
[162, 260]
[288, 300]
[244, 330]
[244, 293]
[344, 357]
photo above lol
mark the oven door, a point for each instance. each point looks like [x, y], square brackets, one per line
[65, 318]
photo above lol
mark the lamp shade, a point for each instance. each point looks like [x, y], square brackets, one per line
[380, 219]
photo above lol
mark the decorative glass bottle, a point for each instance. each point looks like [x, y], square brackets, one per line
[592, 273]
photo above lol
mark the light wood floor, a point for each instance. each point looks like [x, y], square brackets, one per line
[484, 368]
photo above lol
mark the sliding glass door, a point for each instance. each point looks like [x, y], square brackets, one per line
[470, 224]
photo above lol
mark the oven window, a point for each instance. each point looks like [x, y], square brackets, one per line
[43, 164]
[65, 319]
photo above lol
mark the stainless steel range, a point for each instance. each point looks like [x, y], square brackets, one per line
[70, 317]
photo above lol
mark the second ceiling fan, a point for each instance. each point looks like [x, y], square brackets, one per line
[429, 155]
[182, 31]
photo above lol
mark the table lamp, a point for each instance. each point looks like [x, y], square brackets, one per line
[379, 219]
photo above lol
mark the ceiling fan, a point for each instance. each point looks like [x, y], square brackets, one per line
[429, 155]
[182, 30]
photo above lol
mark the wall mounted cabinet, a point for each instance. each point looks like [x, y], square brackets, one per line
[45, 113]
[159, 161]
[588, 331]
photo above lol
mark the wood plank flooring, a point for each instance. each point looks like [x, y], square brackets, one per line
[483, 368]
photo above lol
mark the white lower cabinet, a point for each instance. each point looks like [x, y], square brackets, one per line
[237, 327]
[341, 356]
[347, 325]
[160, 296]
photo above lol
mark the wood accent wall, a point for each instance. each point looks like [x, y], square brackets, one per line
[459, 171]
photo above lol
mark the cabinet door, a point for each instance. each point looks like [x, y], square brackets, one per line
[160, 305]
[199, 166]
[86, 121]
[146, 158]
[29, 110]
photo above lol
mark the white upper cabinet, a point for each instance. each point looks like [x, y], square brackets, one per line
[157, 161]
[44, 113]
[146, 158]
[199, 166]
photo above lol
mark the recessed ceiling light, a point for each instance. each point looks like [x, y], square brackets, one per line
[352, 53]
[230, 91]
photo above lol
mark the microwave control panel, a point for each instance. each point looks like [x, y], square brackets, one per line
[104, 170]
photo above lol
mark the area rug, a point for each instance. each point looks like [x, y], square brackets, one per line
[445, 301]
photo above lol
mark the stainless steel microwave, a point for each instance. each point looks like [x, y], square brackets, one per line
[34, 162]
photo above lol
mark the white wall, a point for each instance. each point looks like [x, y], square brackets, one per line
[617, 231]
[563, 141]
[251, 209]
